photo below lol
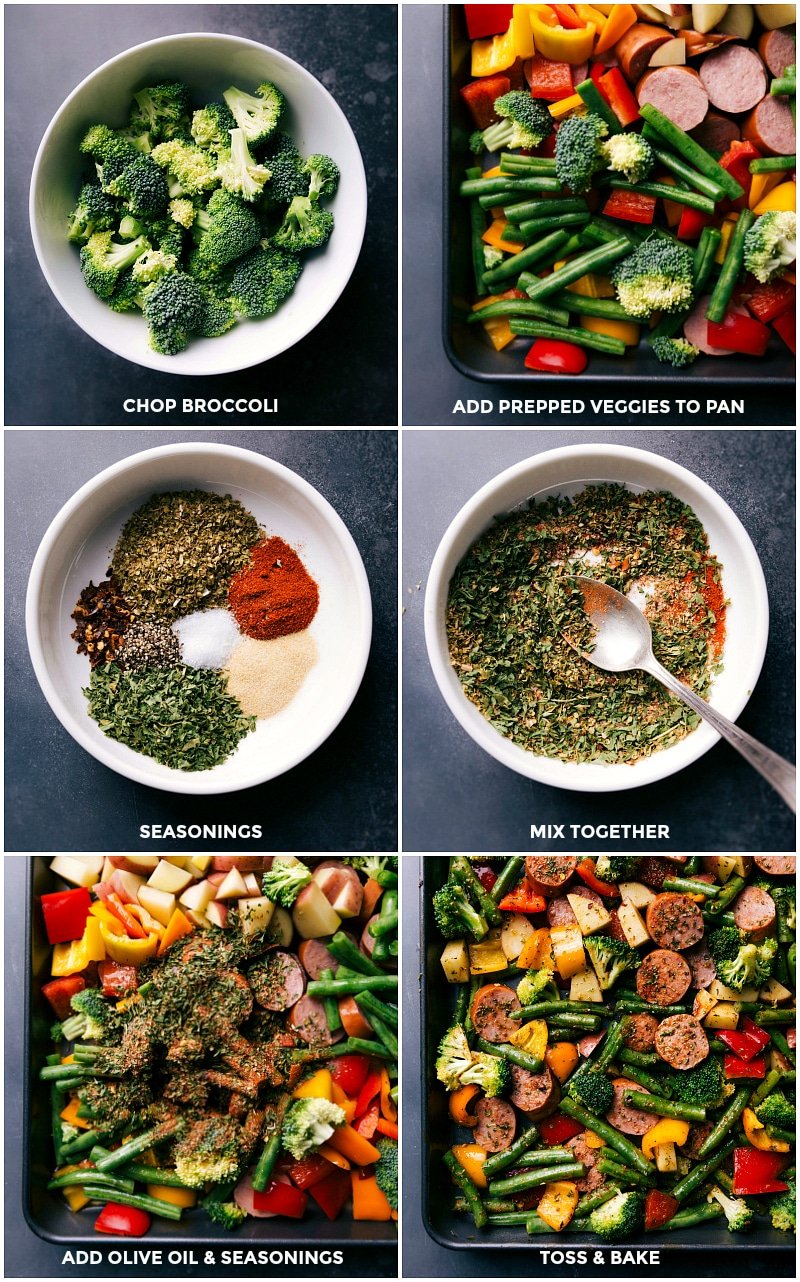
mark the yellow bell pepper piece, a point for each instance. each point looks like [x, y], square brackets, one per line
[591, 285]
[572, 106]
[523, 35]
[497, 53]
[318, 1086]
[726, 228]
[668, 1131]
[388, 1106]
[587, 13]
[498, 331]
[176, 1197]
[591, 1140]
[70, 1115]
[781, 199]
[102, 914]
[560, 43]
[129, 952]
[557, 1205]
[628, 331]
[74, 1196]
[472, 1158]
[761, 184]
[531, 1037]
[70, 959]
[537, 951]
[757, 1135]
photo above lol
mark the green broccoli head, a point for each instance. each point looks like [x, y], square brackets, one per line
[210, 1151]
[306, 225]
[656, 276]
[182, 211]
[238, 171]
[386, 1168]
[309, 1123]
[629, 154]
[227, 229]
[128, 295]
[701, 1085]
[218, 313]
[103, 260]
[143, 187]
[211, 126]
[287, 178]
[610, 958]
[191, 169]
[476, 144]
[770, 246]
[490, 1072]
[777, 1110]
[783, 1207]
[263, 279]
[162, 111]
[454, 915]
[739, 1215]
[619, 1218]
[535, 984]
[257, 115]
[454, 1057]
[94, 211]
[152, 265]
[492, 257]
[786, 902]
[740, 964]
[174, 309]
[94, 1019]
[371, 865]
[579, 151]
[674, 351]
[524, 122]
[284, 881]
[592, 1088]
[616, 868]
[323, 174]
[107, 146]
[227, 1214]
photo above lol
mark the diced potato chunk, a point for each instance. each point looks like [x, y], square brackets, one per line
[514, 935]
[704, 1003]
[666, 1159]
[723, 1016]
[78, 870]
[198, 896]
[159, 903]
[313, 916]
[169, 877]
[633, 928]
[723, 994]
[255, 915]
[774, 992]
[201, 862]
[590, 916]
[455, 962]
[636, 893]
[233, 887]
[583, 987]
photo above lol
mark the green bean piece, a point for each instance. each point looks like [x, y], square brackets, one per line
[781, 1044]
[585, 1023]
[700, 1173]
[519, 307]
[152, 1205]
[534, 1178]
[581, 337]
[349, 987]
[640, 1059]
[656, 1086]
[704, 263]
[542, 253]
[493, 1205]
[633, 1156]
[693, 1215]
[663, 191]
[382, 1029]
[352, 1046]
[497, 1162]
[635, 1006]
[624, 1174]
[96, 1178]
[665, 1107]
[537, 226]
[84, 1142]
[513, 1054]
[726, 283]
[526, 210]
[591, 1201]
[785, 86]
[346, 952]
[730, 890]
[594, 260]
[607, 308]
[765, 1088]
[509, 1218]
[477, 227]
[689, 175]
[511, 163]
[535, 1225]
[332, 1017]
[696, 155]
[543, 1157]
[772, 164]
[504, 183]
[272, 1147]
[556, 1007]
[613, 1042]
[389, 905]
[374, 1006]
[460, 1177]
[727, 1122]
[775, 1016]
[385, 925]
[685, 886]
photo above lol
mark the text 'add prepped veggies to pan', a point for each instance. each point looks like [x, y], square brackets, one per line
[632, 179]
[621, 1054]
[226, 1039]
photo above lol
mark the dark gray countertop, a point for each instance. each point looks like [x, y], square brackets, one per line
[352, 50]
[457, 797]
[432, 385]
[343, 797]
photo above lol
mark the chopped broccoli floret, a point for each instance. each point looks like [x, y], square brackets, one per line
[192, 170]
[702, 1085]
[102, 260]
[476, 143]
[257, 115]
[490, 1072]
[786, 902]
[128, 295]
[579, 151]
[656, 276]
[209, 1152]
[306, 225]
[674, 351]
[372, 864]
[616, 868]
[93, 1020]
[309, 1123]
[227, 1214]
[143, 187]
[777, 1110]
[454, 914]
[95, 211]
[238, 171]
[162, 111]
[386, 1168]
[610, 958]
[770, 246]
[524, 122]
[593, 1088]
[182, 211]
[173, 309]
[534, 984]
[218, 314]
[284, 881]
[152, 265]
[263, 279]
[454, 1057]
[492, 257]
[619, 1218]
[286, 169]
[106, 146]
[228, 229]
[57, 1033]
[739, 963]
[212, 124]
[783, 1208]
[739, 1215]
[629, 154]
[323, 174]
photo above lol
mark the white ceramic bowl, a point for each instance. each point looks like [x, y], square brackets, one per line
[568, 471]
[208, 63]
[77, 548]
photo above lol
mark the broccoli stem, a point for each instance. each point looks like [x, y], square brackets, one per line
[702, 267]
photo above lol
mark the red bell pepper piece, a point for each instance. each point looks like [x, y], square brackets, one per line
[692, 223]
[755, 1032]
[737, 162]
[633, 206]
[585, 871]
[367, 1123]
[659, 1208]
[619, 96]
[134, 929]
[549, 79]
[559, 1128]
[332, 1194]
[122, 1221]
[755, 1172]
[368, 1091]
[487, 19]
[350, 1072]
[60, 992]
[739, 333]
[523, 899]
[480, 97]
[310, 1170]
[65, 913]
[486, 875]
[567, 17]
[768, 301]
[117, 979]
[784, 327]
[554, 355]
[742, 1045]
[736, 1069]
[281, 1199]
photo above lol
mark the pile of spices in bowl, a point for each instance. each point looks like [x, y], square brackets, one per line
[515, 615]
[172, 675]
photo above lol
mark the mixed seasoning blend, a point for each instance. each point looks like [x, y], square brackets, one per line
[200, 629]
[515, 620]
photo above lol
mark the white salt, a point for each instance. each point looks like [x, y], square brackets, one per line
[207, 638]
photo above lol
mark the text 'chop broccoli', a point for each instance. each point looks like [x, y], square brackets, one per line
[524, 122]
[770, 246]
[740, 964]
[656, 277]
[309, 1123]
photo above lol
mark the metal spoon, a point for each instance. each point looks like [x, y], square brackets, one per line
[623, 640]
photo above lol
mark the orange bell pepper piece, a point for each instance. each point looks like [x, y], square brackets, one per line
[353, 1146]
[369, 1202]
[388, 1109]
[336, 1159]
[178, 926]
[460, 1101]
[621, 17]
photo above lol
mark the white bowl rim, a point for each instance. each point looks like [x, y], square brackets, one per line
[618, 778]
[196, 784]
[148, 360]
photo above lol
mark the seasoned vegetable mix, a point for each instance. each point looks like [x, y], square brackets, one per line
[226, 1037]
[621, 1056]
[515, 616]
[631, 179]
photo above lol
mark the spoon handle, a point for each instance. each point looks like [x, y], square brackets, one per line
[776, 770]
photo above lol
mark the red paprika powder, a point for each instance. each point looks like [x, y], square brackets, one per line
[274, 595]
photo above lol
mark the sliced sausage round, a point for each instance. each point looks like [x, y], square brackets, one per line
[771, 128]
[734, 78]
[629, 1120]
[496, 1125]
[315, 958]
[701, 964]
[777, 865]
[681, 1041]
[535, 1094]
[663, 977]
[754, 913]
[307, 1018]
[581, 1152]
[550, 872]
[277, 980]
[367, 939]
[589, 1042]
[778, 49]
[678, 92]
[674, 921]
[640, 1032]
[491, 1012]
[652, 871]
[559, 911]
[637, 47]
